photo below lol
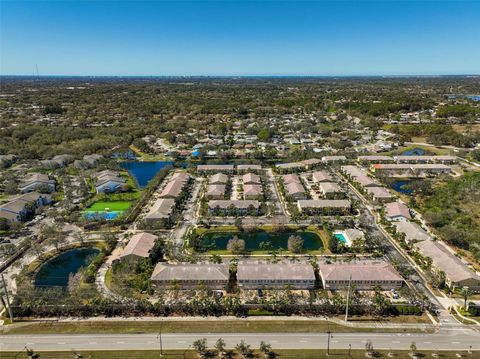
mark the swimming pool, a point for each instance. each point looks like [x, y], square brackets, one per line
[96, 215]
[342, 237]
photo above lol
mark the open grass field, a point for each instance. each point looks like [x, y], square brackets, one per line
[112, 206]
[294, 354]
[180, 326]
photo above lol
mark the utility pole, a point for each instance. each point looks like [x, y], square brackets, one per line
[160, 340]
[329, 333]
[8, 298]
[348, 296]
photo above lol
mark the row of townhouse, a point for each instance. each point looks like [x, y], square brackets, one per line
[252, 275]
[309, 164]
[410, 170]
[23, 206]
[407, 159]
[37, 182]
[457, 273]
[217, 186]
[370, 187]
[229, 169]
[161, 212]
[233, 207]
[293, 187]
[108, 181]
[325, 207]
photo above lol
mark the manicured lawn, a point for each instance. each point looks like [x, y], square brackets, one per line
[112, 206]
[198, 326]
[293, 354]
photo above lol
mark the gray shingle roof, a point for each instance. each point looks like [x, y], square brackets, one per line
[187, 271]
[275, 271]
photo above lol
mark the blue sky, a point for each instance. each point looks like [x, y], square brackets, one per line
[239, 37]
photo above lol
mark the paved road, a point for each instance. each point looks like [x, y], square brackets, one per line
[451, 340]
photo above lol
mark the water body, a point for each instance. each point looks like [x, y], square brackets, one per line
[219, 240]
[401, 186]
[143, 172]
[57, 270]
[415, 152]
[470, 97]
[109, 216]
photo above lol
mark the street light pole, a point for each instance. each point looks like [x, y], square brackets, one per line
[329, 333]
[160, 340]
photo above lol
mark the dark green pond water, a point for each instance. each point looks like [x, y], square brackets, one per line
[57, 270]
[219, 240]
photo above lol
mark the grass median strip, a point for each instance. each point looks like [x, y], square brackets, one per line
[189, 326]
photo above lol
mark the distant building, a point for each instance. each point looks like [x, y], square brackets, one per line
[252, 191]
[218, 178]
[334, 159]
[108, 181]
[249, 168]
[321, 176]
[412, 231]
[138, 247]
[189, 276]
[379, 194]
[330, 190]
[251, 178]
[176, 186]
[21, 207]
[234, 207]
[411, 170]
[215, 168]
[295, 191]
[325, 207]
[215, 191]
[375, 159]
[457, 273]
[397, 211]
[160, 215]
[253, 275]
[352, 171]
[35, 181]
[363, 276]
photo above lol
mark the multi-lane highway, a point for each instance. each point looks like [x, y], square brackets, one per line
[445, 340]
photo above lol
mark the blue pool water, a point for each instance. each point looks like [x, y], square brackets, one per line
[143, 172]
[102, 215]
[56, 271]
[340, 237]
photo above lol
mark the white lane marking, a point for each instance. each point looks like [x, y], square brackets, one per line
[303, 341]
[455, 342]
[427, 342]
[181, 341]
[92, 343]
[30, 343]
[396, 342]
[333, 341]
[120, 342]
[61, 343]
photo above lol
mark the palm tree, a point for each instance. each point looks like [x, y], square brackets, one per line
[465, 293]
[220, 347]
[200, 347]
